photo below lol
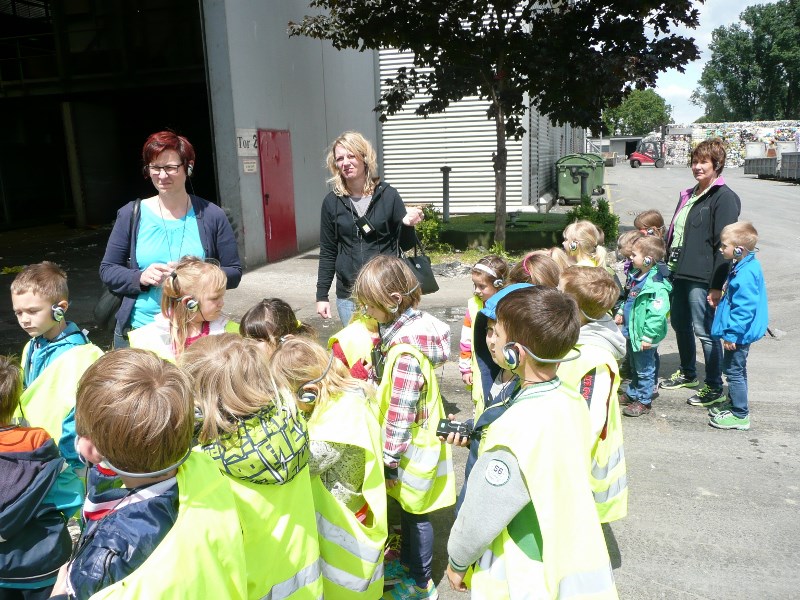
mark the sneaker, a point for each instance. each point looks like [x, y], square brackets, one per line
[728, 420]
[394, 572]
[624, 399]
[678, 380]
[408, 590]
[707, 396]
[715, 410]
[636, 409]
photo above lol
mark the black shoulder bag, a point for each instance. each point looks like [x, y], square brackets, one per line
[420, 263]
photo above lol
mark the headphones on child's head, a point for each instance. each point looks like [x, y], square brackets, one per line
[573, 245]
[512, 358]
[191, 304]
[738, 252]
[648, 261]
[497, 282]
[58, 313]
[308, 393]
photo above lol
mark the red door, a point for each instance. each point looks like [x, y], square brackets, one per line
[277, 189]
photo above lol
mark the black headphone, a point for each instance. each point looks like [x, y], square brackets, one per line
[648, 261]
[738, 252]
[191, 304]
[310, 396]
[58, 313]
[573, 246]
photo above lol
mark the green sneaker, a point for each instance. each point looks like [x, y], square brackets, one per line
[678, 380]
[408, 590]
[727, 420]
[707, 396]
[715, 410]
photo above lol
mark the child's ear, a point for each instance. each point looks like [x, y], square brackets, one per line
[89, 451]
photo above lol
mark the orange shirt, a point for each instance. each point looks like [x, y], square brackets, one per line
[22, 439]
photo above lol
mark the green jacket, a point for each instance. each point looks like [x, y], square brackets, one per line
[648, 318]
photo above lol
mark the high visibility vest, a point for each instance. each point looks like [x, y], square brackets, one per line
[555, 547]
[425, 474]
[156, 339]
[351, 553]
[356, 340]
[202, 556]
[474, 305]
[51, 396]
[608, 474]
[280, 539]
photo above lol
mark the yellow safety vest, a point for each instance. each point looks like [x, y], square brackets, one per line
[202, 556]
[356, 340]
[555, 548]
[425, 474]
[474, 305]
[153, 338]
[51, 396]
[351, 552]
[608, 474]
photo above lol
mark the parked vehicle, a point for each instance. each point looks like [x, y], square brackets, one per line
[647, 153]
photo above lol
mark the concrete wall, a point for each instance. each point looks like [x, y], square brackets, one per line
[259, 78]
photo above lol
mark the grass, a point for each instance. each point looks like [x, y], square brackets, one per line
[485, 221]
[468, 257]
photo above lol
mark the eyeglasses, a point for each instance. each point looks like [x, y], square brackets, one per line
[168, 169]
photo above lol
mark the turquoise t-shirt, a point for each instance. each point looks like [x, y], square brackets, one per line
[162, 241]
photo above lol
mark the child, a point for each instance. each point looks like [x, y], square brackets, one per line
[37, 497]
[271, 320]
[537, 268]
[255, 438]
[595, 376]
[645, 323]
[583, 243]
[542, 532]
[55, 357]
[741, 319]
[134, 417]
[650, 222]
[192, 299]
[418, 466]
[489, 274]
[346, 464]
[625, 244]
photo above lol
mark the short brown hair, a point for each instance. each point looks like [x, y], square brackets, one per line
[383, 276]
[626, 240]
[44, 279]
[593, 289]
[544, 319]
[136, 409]
[651, 246]
[537, 268]
[270, 320]
[651, 221]
[712, 149]
[10, 387]
[741, 233]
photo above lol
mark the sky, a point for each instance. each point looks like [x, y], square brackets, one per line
[676, 87]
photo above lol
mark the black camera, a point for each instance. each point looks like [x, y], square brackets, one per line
[674, 254]
[378, 359]
[446, 427]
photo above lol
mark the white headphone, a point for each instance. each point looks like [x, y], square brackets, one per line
[498, 283]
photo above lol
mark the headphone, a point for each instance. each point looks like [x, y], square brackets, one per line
[738, 252]
[310, 396]
[648, 261]
[497, 282]
[573, 246]
[190, 303]
[512, 358]
[58, 313]
[189, 170]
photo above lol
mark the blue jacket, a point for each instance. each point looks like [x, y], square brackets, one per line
[216, 235]
[741, 316]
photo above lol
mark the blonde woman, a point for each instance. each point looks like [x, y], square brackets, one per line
[361, 217]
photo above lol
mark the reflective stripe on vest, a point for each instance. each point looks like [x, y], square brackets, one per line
[582, 584]
[344, 540]
[303, 578]
[347, 581]
[617, 487]
[600, 472]
[422, 484]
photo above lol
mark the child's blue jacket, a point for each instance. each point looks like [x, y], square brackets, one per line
[741, 316]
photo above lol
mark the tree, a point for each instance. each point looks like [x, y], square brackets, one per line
[569, 59]
[639, 114]
[754, 69]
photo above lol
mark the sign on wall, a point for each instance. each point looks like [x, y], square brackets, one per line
[246, 142]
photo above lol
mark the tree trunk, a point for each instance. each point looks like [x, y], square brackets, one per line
[499, 162]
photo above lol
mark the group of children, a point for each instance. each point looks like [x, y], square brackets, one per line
[268, 459]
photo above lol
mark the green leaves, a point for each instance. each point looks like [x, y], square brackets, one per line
[639, 114]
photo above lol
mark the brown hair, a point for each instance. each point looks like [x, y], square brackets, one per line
[537, 268]
[191, 277]
[741, 233]
[10, 387]
[270, 320]
[357, 144]
[44, 279]
[651, 221]
[136, 409]
[383, 276]
[496, 264]
[544, 319]
[712, 149]
[230, 380]
[651, 246]
[593, 289]
[626, 241]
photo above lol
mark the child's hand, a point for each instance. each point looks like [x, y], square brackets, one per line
[713, 298]
[466, 378]
[618, 319]
[455, 439]
[646, 345]
[60, 586]
[456, 579]
[729, 346]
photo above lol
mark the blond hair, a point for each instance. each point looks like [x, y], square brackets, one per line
[589, 241]
[192, 276]
[537, 268]
[383, 276]
[741, 233]
[593, 289]
[44, 279]
[230, 381]
[626, 241]
[358, 145]
[136, 409]
[10, 387]
[651, 246]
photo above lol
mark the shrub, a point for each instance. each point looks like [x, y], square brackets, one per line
[430, 229]
[600, 215]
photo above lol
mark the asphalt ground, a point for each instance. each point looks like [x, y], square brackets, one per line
[712, 514]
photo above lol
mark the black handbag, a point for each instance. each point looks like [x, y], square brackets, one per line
[420, 263]
[109, 302]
